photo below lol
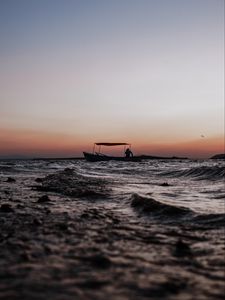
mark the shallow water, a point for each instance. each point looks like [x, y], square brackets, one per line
[115, 230]
[198, 185]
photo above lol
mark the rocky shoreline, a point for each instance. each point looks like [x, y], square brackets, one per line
[61, 239]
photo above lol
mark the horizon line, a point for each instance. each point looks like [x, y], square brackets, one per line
[21, 157]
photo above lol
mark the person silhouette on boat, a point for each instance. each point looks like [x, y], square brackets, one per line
[128, 153]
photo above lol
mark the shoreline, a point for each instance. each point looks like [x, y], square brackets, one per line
[72, 232]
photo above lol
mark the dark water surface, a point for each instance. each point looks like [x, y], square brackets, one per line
[112, 230]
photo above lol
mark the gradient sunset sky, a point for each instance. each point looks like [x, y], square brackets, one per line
[148, 72]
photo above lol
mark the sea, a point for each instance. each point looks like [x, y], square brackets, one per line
[196, 184]
[72, 229]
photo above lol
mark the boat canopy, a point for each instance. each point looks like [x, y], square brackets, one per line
[111, 144]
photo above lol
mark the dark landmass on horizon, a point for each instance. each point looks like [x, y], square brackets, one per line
[143, 157]
[219, 156]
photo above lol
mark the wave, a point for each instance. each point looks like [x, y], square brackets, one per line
[155, 208]
[173, 214]
[210, 220]
[6, 168]
[200, 173]
[70, 183]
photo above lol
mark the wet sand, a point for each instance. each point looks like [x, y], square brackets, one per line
[63, 237]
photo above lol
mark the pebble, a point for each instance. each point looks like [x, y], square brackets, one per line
[20, 205]
[38, 180]
[44, 199]
[47, 211]
[10, 179]
[25, 257]
[6, 208]
[37, 222]
[62, 226]
[165, 184]
[182, 248]
[100, 261]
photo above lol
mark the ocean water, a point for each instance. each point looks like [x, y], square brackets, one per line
[196, 184]
[72, 229]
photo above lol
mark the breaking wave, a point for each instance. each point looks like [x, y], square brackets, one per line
[155, 208]
[210, 220]
[172, 214]
[200, 173]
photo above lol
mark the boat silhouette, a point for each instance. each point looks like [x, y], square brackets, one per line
[98, 156]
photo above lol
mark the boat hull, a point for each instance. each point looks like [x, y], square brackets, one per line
[99, 157]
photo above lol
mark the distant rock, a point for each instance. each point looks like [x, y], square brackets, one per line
[218, 156]
[160, 157]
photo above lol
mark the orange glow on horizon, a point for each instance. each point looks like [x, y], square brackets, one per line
[200, 148]
[44, 144]
[38, 144]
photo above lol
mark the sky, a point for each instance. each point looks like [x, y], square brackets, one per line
[147, 72]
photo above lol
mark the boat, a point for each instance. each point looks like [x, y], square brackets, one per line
[98, 156]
